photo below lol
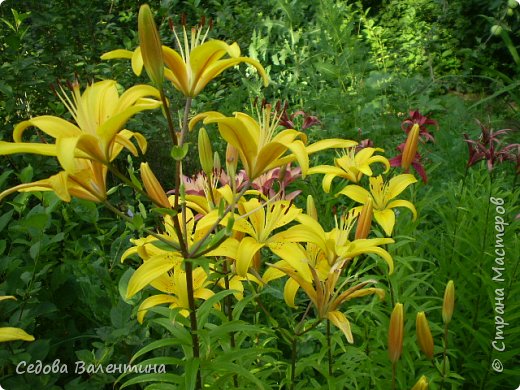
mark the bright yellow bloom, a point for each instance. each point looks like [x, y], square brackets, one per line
[351, 166]
[197, 62]
[424, 335]
[258, 221]
[382, 195]
[259, 145]
[395, 333]
[100, 114]
[11, 334]
[326, 297]
[87, 182]
[173, 284]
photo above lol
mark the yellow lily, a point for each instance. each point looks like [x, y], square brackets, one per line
[259, 146]
[257, 221]
[351, 166]
[327, 298]
[173, 284]
[195, 64]
[12, 334]
[383, 195]
[99, 113]
[335, 244]
[321, 252]
[87, 182]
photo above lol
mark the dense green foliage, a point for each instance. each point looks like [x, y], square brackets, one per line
[360, 67]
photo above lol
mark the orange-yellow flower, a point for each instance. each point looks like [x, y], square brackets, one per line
[395, 333]
[424, 335]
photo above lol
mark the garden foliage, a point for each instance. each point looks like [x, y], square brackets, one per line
[313, 206]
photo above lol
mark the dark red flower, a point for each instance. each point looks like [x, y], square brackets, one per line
[417, 118]
[416, 163]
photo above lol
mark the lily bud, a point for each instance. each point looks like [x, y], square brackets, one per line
[424, 335]
[151, 47]
[395, 333]
[153, 187]
[311, 208]
[410, 147]
[365, 220]
[448, 303]
[231, 161]
[205, 152]
[422, 384]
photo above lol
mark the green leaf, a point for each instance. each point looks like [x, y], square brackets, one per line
[4, 219]
[179, 152]
[191, 369]
[167, 342]
[168, 378]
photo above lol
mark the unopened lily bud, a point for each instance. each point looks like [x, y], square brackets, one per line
[311, 208]
[365, 220]
[424, 335]
[422, 384]
[205, 152]
[395, 333]
[151, 47]
[231, 160]
[410, 147]
[449, 302]
[217, 166]
[153, 187]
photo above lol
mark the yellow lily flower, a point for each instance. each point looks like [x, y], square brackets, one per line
[259, 146]
[382, 195]
[99, 113]
[351, 166]
[335, 244]
[321, 252]
[87, 182]
[12, 334]
[173, 284]
[258, 221]
[195, 64]
[327, 298]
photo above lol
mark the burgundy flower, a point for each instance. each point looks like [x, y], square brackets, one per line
[417, 118]
[487, 148]
[288, 120]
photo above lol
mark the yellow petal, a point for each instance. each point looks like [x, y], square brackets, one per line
[356, 193]
[119, 53]
[403, 203]
[386, 219]
[12, 334]
[340, 321]
[329, 144]
[26, 147]
[50, 125]
[398, 184]
[153, 301]
[246, 250]
[147, 273]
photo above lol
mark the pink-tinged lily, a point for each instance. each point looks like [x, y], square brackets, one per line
[100, 114]
[351, 165]
[383, 197]
[195, 64]
[260, 146]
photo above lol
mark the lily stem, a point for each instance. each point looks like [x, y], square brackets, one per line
[329, 347]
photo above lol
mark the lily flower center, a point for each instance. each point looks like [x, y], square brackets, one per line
[379, 192]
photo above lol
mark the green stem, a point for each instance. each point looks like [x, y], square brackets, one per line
[228, 304]
[444, 355]
[329, 348]
[394, 369]
[193, 318]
